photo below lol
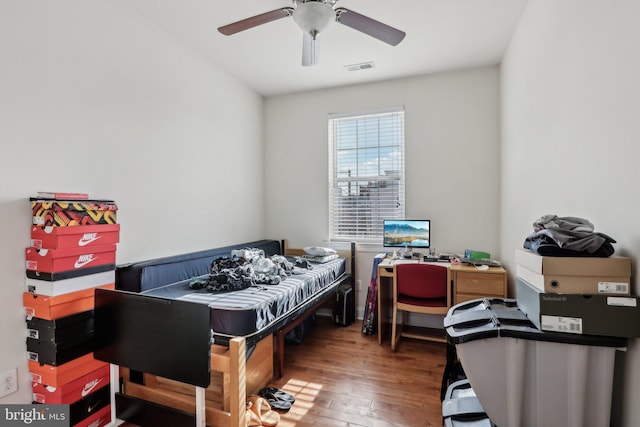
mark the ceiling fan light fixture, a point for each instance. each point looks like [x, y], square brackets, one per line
[313, 17]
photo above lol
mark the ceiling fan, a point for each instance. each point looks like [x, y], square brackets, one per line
[313, 17]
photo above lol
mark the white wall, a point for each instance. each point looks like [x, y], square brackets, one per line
[452, 159]
[570, 133]
[95, 99]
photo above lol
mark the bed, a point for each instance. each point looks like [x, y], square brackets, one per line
[191, 356]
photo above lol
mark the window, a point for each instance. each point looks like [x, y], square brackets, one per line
[366, 174]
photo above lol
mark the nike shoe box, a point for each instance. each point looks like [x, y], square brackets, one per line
[61, 287]
[62, 329]
[50, 308]
[58, 353]
[575, 275]
[57, 260]
[57, 376]
[61, 213]
[89, 405]
[100, 418]
[604, 315]
[69, 274]
[72, 391]
[51, 237]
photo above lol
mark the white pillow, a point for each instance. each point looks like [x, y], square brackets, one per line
[319, 251]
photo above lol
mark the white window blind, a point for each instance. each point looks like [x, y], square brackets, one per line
[366, 174]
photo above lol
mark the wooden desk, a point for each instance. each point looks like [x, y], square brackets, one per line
[468, 282]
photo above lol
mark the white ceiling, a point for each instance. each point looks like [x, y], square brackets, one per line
[441, 35]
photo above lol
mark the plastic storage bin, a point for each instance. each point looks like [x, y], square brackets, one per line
[461, 407]
[525, 377]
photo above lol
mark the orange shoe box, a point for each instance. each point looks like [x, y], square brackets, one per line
[57, 376]
[73, 391]
[74, 237]
[55, 260]
[63, 213]
[98, 419]
[49, 308]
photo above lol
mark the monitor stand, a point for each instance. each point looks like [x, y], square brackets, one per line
[407, 253]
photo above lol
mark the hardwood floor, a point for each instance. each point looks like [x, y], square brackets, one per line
[341, 378]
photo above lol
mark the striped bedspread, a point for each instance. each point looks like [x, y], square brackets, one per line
[241, 313]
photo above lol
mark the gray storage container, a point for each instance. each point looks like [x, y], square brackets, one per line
[525, 377]
[461, 407]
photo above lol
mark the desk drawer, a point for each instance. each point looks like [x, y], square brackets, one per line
[483, 284]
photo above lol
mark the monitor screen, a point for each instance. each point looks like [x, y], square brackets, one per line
[406, 233]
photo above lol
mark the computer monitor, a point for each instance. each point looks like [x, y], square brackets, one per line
[406, 233]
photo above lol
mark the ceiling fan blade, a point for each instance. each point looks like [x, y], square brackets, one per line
[254, 21]
[309, 50]
[369, 26]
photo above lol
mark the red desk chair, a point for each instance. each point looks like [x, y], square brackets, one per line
[419, 288]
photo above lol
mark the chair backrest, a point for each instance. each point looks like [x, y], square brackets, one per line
[422, 280]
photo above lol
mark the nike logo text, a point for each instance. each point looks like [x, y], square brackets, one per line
[88, 238]
[88, 387]
[84, 260]
[90, 408]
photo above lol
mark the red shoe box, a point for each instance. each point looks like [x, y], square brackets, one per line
[74, 237]
[57, 376]
[56, 260]
[73, 391]
[97, 419]
[73, 213]
[49, 308]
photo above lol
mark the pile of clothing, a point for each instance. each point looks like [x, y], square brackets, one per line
[249, 267]
[568, 236]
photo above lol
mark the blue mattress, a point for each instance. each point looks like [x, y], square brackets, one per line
[149, 274]
[258, 310]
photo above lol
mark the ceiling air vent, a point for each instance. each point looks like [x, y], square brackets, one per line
[361, 66]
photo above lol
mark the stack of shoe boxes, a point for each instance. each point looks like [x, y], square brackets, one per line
[72, 252]
[579, 295]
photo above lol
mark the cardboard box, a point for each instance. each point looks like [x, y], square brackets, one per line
[55, 260]
[46, 307]
[51, 237]
[57, 376]
[59, 353]
[69, 274]
[73, 391]
[615, 316]
[561, 284]
[62, 213]
[61, 287]
[89, 405]
[574, 266]
[62, 329]
[98, 419]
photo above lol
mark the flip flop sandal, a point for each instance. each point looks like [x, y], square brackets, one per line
[260, 406]
[278, 399]
[279, 394]
[251, 417]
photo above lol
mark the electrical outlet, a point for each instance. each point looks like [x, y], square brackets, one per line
[359, 285]
[8, 382]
